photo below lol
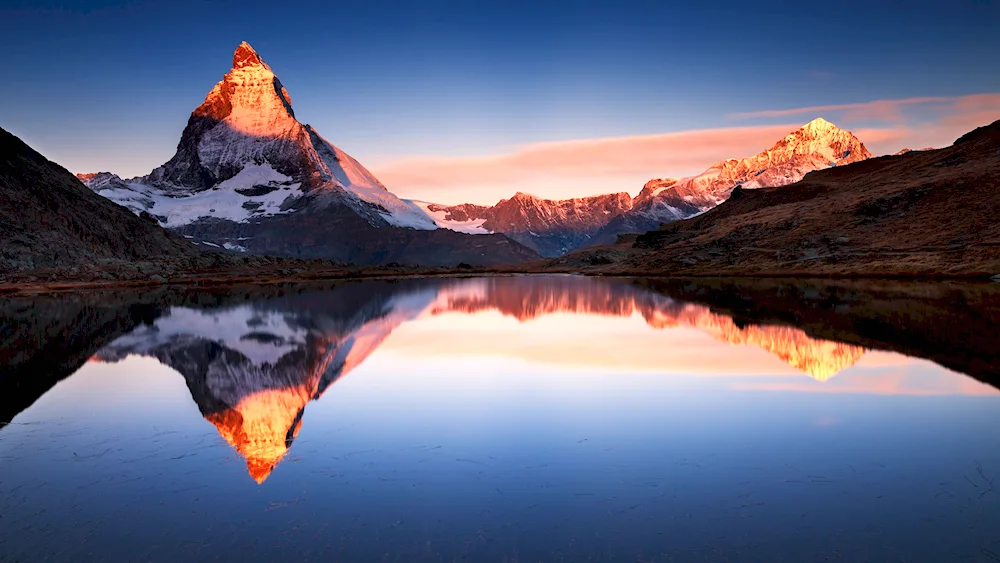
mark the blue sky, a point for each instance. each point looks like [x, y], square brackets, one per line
[109, 85]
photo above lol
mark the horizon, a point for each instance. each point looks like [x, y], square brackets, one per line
[557, 117]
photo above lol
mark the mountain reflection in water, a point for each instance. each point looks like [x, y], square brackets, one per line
[253, 367]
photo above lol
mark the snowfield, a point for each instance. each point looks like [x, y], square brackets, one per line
[474, 227]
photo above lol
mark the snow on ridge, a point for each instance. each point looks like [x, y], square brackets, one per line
[472, 227]
[349, 174]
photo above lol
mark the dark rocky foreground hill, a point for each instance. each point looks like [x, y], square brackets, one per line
[49, 219]
[922, 213]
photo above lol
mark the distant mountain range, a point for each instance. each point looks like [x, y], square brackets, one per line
[919, 213]
[248, 177]
[555, 227]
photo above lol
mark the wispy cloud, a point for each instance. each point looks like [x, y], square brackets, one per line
[575, 168]
[888, 110]
[645, 156]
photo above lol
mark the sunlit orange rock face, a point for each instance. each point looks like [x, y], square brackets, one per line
[263, 424]
[821, 359]
[262, 428]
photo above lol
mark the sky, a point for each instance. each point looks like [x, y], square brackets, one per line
[457, 102]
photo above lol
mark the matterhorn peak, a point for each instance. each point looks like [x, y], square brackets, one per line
[245, 55]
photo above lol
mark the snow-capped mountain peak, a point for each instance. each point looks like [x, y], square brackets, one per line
[817, 144]
[244, 156]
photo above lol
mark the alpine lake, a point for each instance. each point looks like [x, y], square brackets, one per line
[507, 418]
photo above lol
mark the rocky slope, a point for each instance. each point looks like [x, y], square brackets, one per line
[921, 213]
[550, 227]
[248, 176]
[49, 219]
[816, 145]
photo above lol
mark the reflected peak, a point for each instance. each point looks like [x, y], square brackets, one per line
[820, 359]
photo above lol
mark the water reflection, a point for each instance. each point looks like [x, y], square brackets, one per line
[253, 368]
[505, 418]
[253, 361]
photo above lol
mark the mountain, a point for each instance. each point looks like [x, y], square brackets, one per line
[248, 176]
[49, 219]
[550, 227]
[921, 213]
[816, 145]
[555, 227]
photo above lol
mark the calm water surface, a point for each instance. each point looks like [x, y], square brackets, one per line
[499, 419]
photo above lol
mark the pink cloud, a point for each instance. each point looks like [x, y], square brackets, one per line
[887, 110]
[575, 168]
[646, 156]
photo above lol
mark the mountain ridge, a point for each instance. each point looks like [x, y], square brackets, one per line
[555, 227]
[920, 213]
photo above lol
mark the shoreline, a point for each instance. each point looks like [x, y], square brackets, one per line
[224, 279]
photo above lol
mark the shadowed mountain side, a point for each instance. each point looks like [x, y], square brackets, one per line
[922, 213]
[48, 218]
[338, 233]
[953, 324]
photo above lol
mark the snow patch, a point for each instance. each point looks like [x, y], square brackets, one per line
[473, 227]
[175, 208]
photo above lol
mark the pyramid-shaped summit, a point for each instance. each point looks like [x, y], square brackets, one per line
[245, 55]
[248, 176]
[245, 137]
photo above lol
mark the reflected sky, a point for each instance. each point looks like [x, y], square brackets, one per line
[522, 418]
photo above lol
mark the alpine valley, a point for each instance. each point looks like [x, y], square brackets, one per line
[248, 176]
